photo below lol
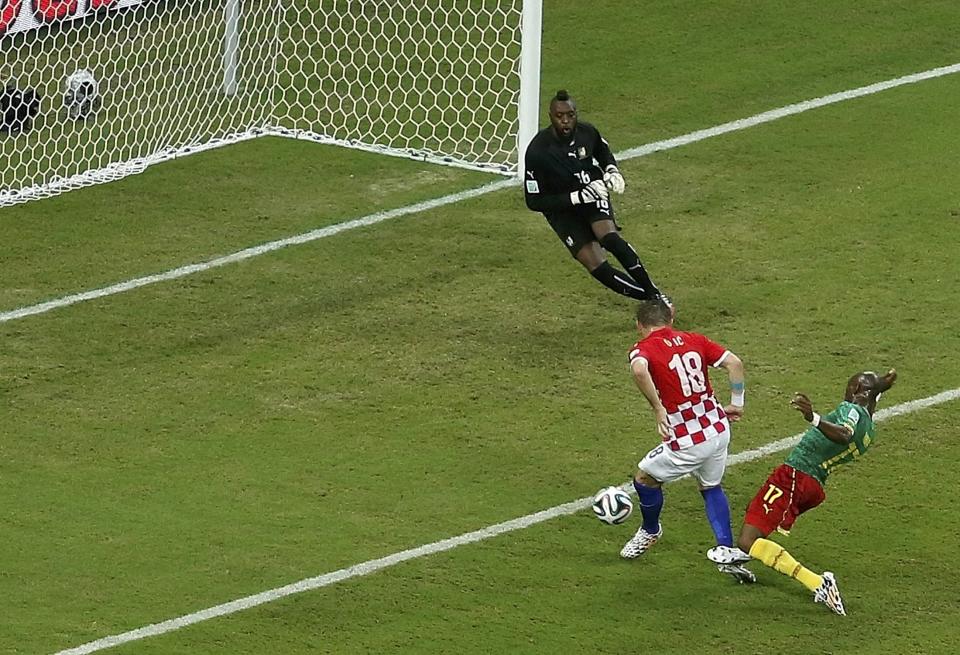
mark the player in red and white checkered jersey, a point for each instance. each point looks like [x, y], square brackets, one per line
[670, 369]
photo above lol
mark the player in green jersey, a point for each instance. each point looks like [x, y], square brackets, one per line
[796, 486]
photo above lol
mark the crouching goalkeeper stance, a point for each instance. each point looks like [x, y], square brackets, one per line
[569, 173]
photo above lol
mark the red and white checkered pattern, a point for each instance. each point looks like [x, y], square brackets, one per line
[694, 422]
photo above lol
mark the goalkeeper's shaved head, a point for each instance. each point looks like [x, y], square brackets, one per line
[563, 114]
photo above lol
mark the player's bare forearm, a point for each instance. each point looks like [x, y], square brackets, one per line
[644, 382]
[836, 433]
[641, 376]
[734, 367]
[882, 386]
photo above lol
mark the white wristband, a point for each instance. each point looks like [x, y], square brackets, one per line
[575, 198]
[815, 421]
[736, 398]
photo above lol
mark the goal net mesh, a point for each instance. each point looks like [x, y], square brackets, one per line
[436, 80]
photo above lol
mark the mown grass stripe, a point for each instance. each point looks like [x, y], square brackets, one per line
[374, 565]
[379, 217]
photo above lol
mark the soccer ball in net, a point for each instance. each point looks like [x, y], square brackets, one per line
[81, 94]
[612, 505]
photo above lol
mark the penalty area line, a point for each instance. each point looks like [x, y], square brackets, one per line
[255, 251]
[378, 217]
[372, 566]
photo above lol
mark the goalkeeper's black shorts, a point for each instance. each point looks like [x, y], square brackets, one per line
[575, 230]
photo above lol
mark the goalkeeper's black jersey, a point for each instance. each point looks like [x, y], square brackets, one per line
[555, 168]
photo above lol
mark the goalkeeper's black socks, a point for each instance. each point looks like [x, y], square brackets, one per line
[628, 258]
[619, 281]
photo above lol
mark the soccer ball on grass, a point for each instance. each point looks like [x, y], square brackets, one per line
[612, 505]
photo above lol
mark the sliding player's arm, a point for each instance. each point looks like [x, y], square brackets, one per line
[883, 384]
[837, 433]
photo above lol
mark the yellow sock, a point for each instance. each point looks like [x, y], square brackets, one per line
[777, 558]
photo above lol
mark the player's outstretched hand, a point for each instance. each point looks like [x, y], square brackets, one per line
[614, 180]
[593, 192]
[888, 379]
[803, 405]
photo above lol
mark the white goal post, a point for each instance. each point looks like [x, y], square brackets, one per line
[96, 90]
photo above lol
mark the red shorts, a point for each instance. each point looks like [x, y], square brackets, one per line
[785, 495]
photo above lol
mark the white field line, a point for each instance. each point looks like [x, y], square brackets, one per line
[372, 219]
[374, 565]
[789, 110]
[255, 251]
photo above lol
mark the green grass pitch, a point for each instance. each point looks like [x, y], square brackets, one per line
[196, 441]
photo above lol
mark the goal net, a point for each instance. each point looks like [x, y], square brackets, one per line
[99, 89]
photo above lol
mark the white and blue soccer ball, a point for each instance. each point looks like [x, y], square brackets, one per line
[612, 505]
[81, 94]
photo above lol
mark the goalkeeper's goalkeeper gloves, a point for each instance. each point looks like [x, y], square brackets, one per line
[593, 192]
[613, 179]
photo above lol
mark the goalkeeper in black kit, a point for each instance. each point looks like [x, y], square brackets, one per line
[569, 174]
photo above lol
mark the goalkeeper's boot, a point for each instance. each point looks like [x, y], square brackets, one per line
[665, 299]
[738, 572]
[641, 543]
[828, 593]
[727, 555]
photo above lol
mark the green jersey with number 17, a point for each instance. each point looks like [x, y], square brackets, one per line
[817, 456]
